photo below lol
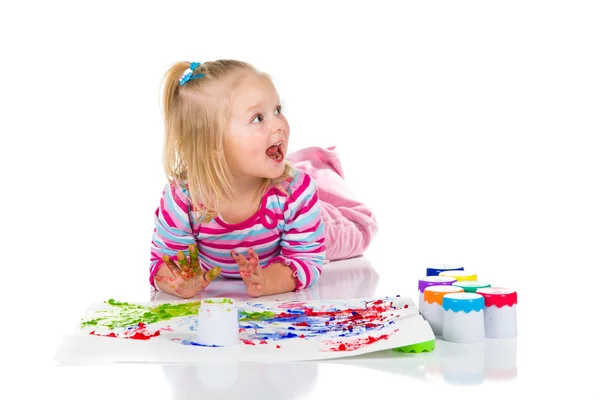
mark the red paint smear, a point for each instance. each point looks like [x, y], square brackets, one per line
[250, 342]
[139, 333]
[278, 346]
[356, 343]
[263, 342]
[302, 324]
[302, 336]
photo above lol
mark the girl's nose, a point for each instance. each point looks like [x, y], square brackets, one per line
[277, 125]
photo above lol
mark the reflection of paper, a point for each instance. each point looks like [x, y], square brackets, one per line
[277, 381]
[269, 330]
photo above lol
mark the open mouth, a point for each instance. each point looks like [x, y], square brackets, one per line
[275, 152]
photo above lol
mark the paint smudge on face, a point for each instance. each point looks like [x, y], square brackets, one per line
[250, 342]
[138, 333]
[124, 315]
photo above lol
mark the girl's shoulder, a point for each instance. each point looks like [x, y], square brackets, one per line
[297, 184]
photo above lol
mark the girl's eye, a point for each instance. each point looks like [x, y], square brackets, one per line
[259, 117]
[278, 110]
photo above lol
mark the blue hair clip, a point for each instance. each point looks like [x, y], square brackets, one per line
[188, 74]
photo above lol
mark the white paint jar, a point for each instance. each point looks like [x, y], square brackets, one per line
[432, 281]
[463, 320]
[432, 305]
[500, 312]
[218, 323]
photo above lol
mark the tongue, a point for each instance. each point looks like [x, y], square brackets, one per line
[272, 151]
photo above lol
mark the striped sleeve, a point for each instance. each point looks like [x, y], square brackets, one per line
[303, 240]
[172, 228]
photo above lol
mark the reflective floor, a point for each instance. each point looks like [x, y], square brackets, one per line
[450, 363]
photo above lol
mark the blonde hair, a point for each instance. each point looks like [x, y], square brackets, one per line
[195, 117]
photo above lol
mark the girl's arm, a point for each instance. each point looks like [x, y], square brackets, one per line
[172, 233]
[303, 242]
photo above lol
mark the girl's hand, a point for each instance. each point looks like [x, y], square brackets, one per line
[251, 272]
[188, 278]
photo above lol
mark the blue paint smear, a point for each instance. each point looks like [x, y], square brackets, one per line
[347, 323]
[192, 343]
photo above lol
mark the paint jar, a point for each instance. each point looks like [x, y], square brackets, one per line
[460, 275]
[435, 271]
[218, 323]
[463, 320]
[471, 286]
[432, 306]
[500, 312]
[432, 281]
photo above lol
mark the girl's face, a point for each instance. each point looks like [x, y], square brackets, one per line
[256, 138]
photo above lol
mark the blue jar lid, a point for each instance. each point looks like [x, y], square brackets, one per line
[461, 301]
[434, 271]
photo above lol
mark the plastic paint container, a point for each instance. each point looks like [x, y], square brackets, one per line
[435, 271]
[500, 312]
[432, 280]
[463, 318]
[432, 306]
[471, 286]
[218, 323]
[460, 275]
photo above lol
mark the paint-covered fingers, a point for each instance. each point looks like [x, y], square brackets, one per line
[212, 274]
[253, 264]
[183, 263]
[242, 263]
[194, 261]
[173, 267]
[207, 277]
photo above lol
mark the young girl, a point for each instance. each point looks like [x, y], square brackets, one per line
[234, 206]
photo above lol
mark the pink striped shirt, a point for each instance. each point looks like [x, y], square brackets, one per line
[287, 228]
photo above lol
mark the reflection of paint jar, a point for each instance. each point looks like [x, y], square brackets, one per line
[501, 359]
[218, 323]
[432, 305]
[500, 312]
[462, 363]
[432, 281]
[463, 320]
[435, 271]
[460, 275]
[471, 286]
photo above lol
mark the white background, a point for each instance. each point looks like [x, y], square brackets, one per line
[469, 127]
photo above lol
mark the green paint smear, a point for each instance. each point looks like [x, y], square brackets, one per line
[223, 301]
[256, 316]
[127, 314]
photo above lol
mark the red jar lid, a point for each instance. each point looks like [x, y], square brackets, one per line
[498, 296]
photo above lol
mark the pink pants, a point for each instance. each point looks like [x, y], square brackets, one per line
[349, 225]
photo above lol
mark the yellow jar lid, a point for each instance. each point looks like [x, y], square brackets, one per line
[460, 275]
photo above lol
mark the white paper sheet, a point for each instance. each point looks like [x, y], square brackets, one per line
[358, 325]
